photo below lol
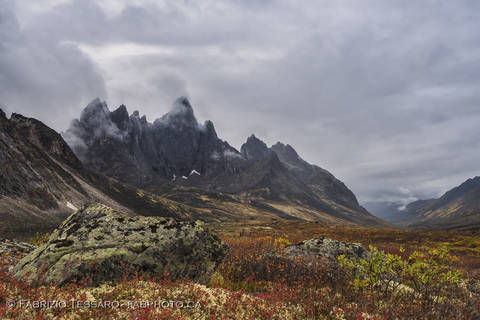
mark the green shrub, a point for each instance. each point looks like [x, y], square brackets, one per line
[424, 275]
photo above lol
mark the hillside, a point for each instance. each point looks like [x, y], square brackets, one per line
[42, 181]
[458, 208]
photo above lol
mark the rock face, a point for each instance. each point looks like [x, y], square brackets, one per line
[327, 248]
[14, 250]
[132, 150]
[103, 244]
[255, 149]
[320, 181]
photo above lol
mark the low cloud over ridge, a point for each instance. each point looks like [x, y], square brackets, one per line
[382, 94]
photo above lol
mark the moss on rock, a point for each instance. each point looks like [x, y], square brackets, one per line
[102, 245]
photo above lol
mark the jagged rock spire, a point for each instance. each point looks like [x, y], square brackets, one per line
[180, 115]
[254, 149]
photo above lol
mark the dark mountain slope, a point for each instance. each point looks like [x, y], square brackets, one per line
[321, 181]
[42, 181]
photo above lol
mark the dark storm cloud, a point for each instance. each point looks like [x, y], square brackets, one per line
[382, 93]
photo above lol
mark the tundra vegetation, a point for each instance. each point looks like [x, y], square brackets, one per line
[410, 274]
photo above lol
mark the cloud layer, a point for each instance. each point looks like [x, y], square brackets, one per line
[384, 94]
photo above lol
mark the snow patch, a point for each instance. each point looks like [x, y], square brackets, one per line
[194, 172]
[174, 177]
[231, 154]
[183, 177]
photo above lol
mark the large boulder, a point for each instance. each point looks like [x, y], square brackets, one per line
[326, 248]
[102, 245]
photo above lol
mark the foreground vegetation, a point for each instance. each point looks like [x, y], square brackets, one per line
[412, 275]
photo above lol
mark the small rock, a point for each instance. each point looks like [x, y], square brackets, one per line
[15, 247]
[14, 250]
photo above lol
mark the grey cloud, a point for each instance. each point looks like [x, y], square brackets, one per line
[384, 94]
[40, 76]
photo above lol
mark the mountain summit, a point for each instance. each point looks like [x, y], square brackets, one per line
[180, 115]
[175, 152]
[135, 151]
[254, 149]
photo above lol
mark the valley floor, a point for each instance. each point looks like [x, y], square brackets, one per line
[432, 275]
[464, 246]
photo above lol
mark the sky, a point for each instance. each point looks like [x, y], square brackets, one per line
[383, 94]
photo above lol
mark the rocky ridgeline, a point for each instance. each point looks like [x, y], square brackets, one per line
[177, 150]
[101, 245]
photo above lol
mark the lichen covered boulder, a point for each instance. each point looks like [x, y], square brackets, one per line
[326, 248]
[98, 244]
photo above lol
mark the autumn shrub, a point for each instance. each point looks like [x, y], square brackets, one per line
[424, 284]
[39, 238]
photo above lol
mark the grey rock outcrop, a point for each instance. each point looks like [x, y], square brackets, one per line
[326, 248]
[100, 245]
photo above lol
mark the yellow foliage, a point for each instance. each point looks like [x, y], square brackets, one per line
[282, 242]
[216, 280]
[39, 238]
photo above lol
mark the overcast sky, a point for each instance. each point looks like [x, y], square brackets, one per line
[384, 94]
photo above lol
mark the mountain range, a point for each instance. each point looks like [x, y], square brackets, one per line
[176, 154]
[174, 166]
[458, 208]
[178, 167]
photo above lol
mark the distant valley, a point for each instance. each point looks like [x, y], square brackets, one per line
[458, 208]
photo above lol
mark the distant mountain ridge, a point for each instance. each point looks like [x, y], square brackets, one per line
[175, 151]
[458, 208]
